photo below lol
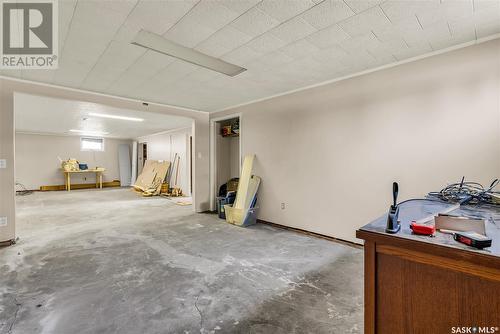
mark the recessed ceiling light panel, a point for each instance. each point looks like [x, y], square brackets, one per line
[157, 43]
[133, 119]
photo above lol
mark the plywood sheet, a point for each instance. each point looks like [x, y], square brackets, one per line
[152, 176]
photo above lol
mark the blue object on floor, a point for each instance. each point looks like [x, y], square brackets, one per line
[221, 201]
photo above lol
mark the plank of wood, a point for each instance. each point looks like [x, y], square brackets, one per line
[115, 183]
[246, 174]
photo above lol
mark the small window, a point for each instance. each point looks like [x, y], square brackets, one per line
[92, 144]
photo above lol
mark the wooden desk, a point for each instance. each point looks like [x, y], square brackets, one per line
[419, 284]
[98, 176]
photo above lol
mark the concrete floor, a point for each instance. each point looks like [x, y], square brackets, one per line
[111, 262]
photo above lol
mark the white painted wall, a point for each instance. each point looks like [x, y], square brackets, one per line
[163, 146]
[37, 163]
[332, 152]
[234, 156]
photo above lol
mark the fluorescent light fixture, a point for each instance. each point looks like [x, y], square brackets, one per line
[90, 132]
[133, 119]
[157, 43]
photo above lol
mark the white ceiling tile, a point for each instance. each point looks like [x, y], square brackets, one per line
[293, 30]
[103, 14]
[327, 13]
[165, 10]
[437, 32]
[241, 55]
[150, 63]
[413, 50]
[409, 29]
[127, 83]
[368, 20]
[223, 41]
[361, 5]
[98, 81]
[265, 43]
[212, 49]
[203, 75]
[128, 31]
[334, 53]
[443, 35]
[480, 5]
[485, 29]
[66, 11]
[211, 14]
[361, 42]
[188, 34]
[239, 6]
[283, 10]
[175, 71]
[299, 49]
[398, 10]
[71, 73]
[254, 22]
[487, 14]
[382, 55]
[438, 44]
[360, 61]
[463, 28]
[384, 52]
[276, 58]
[328, 36]
[154, 16]
[117, 58]
[448, 10]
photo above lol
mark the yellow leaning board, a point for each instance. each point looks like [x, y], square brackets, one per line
[247, 189]
[246, 174]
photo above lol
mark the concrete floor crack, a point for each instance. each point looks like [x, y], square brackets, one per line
[200, 313]
[18, 306]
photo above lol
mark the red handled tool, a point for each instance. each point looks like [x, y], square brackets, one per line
[422, 229]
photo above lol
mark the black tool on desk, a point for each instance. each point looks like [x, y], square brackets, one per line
[393, 223]
[472, 239]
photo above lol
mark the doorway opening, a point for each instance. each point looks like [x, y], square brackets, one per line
[142, 156]
[227, 149]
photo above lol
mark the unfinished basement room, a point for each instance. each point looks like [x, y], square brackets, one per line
[250, 166]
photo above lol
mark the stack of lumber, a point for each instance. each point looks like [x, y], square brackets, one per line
[152, 177]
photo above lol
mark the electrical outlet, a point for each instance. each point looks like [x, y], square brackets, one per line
[3, 163]
[3, 221]
[282, 206]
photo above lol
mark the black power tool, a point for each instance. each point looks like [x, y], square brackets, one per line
[393, 223]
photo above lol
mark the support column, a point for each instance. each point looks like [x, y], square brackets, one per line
[201, 163]
[7, 175]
